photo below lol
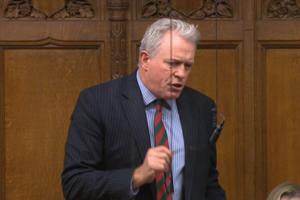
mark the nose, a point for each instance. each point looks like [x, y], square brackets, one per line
[180, 71]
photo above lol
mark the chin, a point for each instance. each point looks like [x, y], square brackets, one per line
[172, 96]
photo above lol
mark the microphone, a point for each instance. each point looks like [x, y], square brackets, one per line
[216, 133]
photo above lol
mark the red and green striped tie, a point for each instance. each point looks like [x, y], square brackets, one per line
[163, 180]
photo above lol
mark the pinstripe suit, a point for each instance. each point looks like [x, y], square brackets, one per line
[108, 138]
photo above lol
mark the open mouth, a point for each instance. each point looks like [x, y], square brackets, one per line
[176, 86]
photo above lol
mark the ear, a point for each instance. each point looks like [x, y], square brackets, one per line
[144, 60]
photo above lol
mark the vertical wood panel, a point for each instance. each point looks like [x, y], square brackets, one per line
[203, 76]
[41, 87]
[2, 139]
[229, 160]
[248, 129]
[282, 105]
[221, 82]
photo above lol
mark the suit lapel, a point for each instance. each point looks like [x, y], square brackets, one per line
[134, 109]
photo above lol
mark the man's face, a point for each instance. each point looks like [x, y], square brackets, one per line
[166, 73]
[286, 198]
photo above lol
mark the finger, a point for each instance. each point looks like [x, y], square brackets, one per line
[158, 159]
[163, 156]
[163, 149]
[160, 162]
[160, 165]
[157, 156]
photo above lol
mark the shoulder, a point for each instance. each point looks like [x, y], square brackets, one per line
[106, 86]
[195, 97]
[98, 100]
[107, 90]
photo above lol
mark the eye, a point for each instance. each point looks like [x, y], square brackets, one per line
[188, 65]
[173, 63]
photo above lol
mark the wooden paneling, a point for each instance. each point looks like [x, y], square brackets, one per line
[221, 82]
[2, 117]
[59, 30]
[203, 78]
[41, 87]
[277, 84]
[46, 58]
[278, 30]
[279, 104]
[247, 61]
[282, 99]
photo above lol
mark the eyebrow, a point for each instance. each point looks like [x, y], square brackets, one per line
[178, 61]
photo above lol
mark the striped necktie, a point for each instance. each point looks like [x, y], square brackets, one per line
[163, 180]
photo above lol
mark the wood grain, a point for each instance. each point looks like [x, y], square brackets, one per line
[221, 82]
[282, 99]
[41, 87]
[247, 62]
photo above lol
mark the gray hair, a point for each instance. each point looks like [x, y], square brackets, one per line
[152, 37]
[282, 189]
[291, 194]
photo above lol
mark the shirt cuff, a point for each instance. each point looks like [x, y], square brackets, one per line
[132, 191]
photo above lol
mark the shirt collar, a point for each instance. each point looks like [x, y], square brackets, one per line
[148, 96]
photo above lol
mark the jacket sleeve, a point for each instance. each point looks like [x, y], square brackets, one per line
[84, 176]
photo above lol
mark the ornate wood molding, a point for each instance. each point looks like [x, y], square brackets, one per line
[50, 42]
[118, 38]
[19, 9]
[22, 9]
[210, 9]
[283, 9]
[75, 9]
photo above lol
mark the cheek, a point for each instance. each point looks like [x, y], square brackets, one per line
[167, 76]
[156, 78]
[187, 74]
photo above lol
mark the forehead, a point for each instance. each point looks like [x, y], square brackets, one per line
[173, 40]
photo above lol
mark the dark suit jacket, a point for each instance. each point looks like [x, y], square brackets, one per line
[108, 138]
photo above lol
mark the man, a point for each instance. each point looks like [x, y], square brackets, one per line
[113, 150]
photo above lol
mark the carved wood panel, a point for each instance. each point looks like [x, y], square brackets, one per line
[118, 37]
[278, 9]
[204, 9]
[24, 9]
